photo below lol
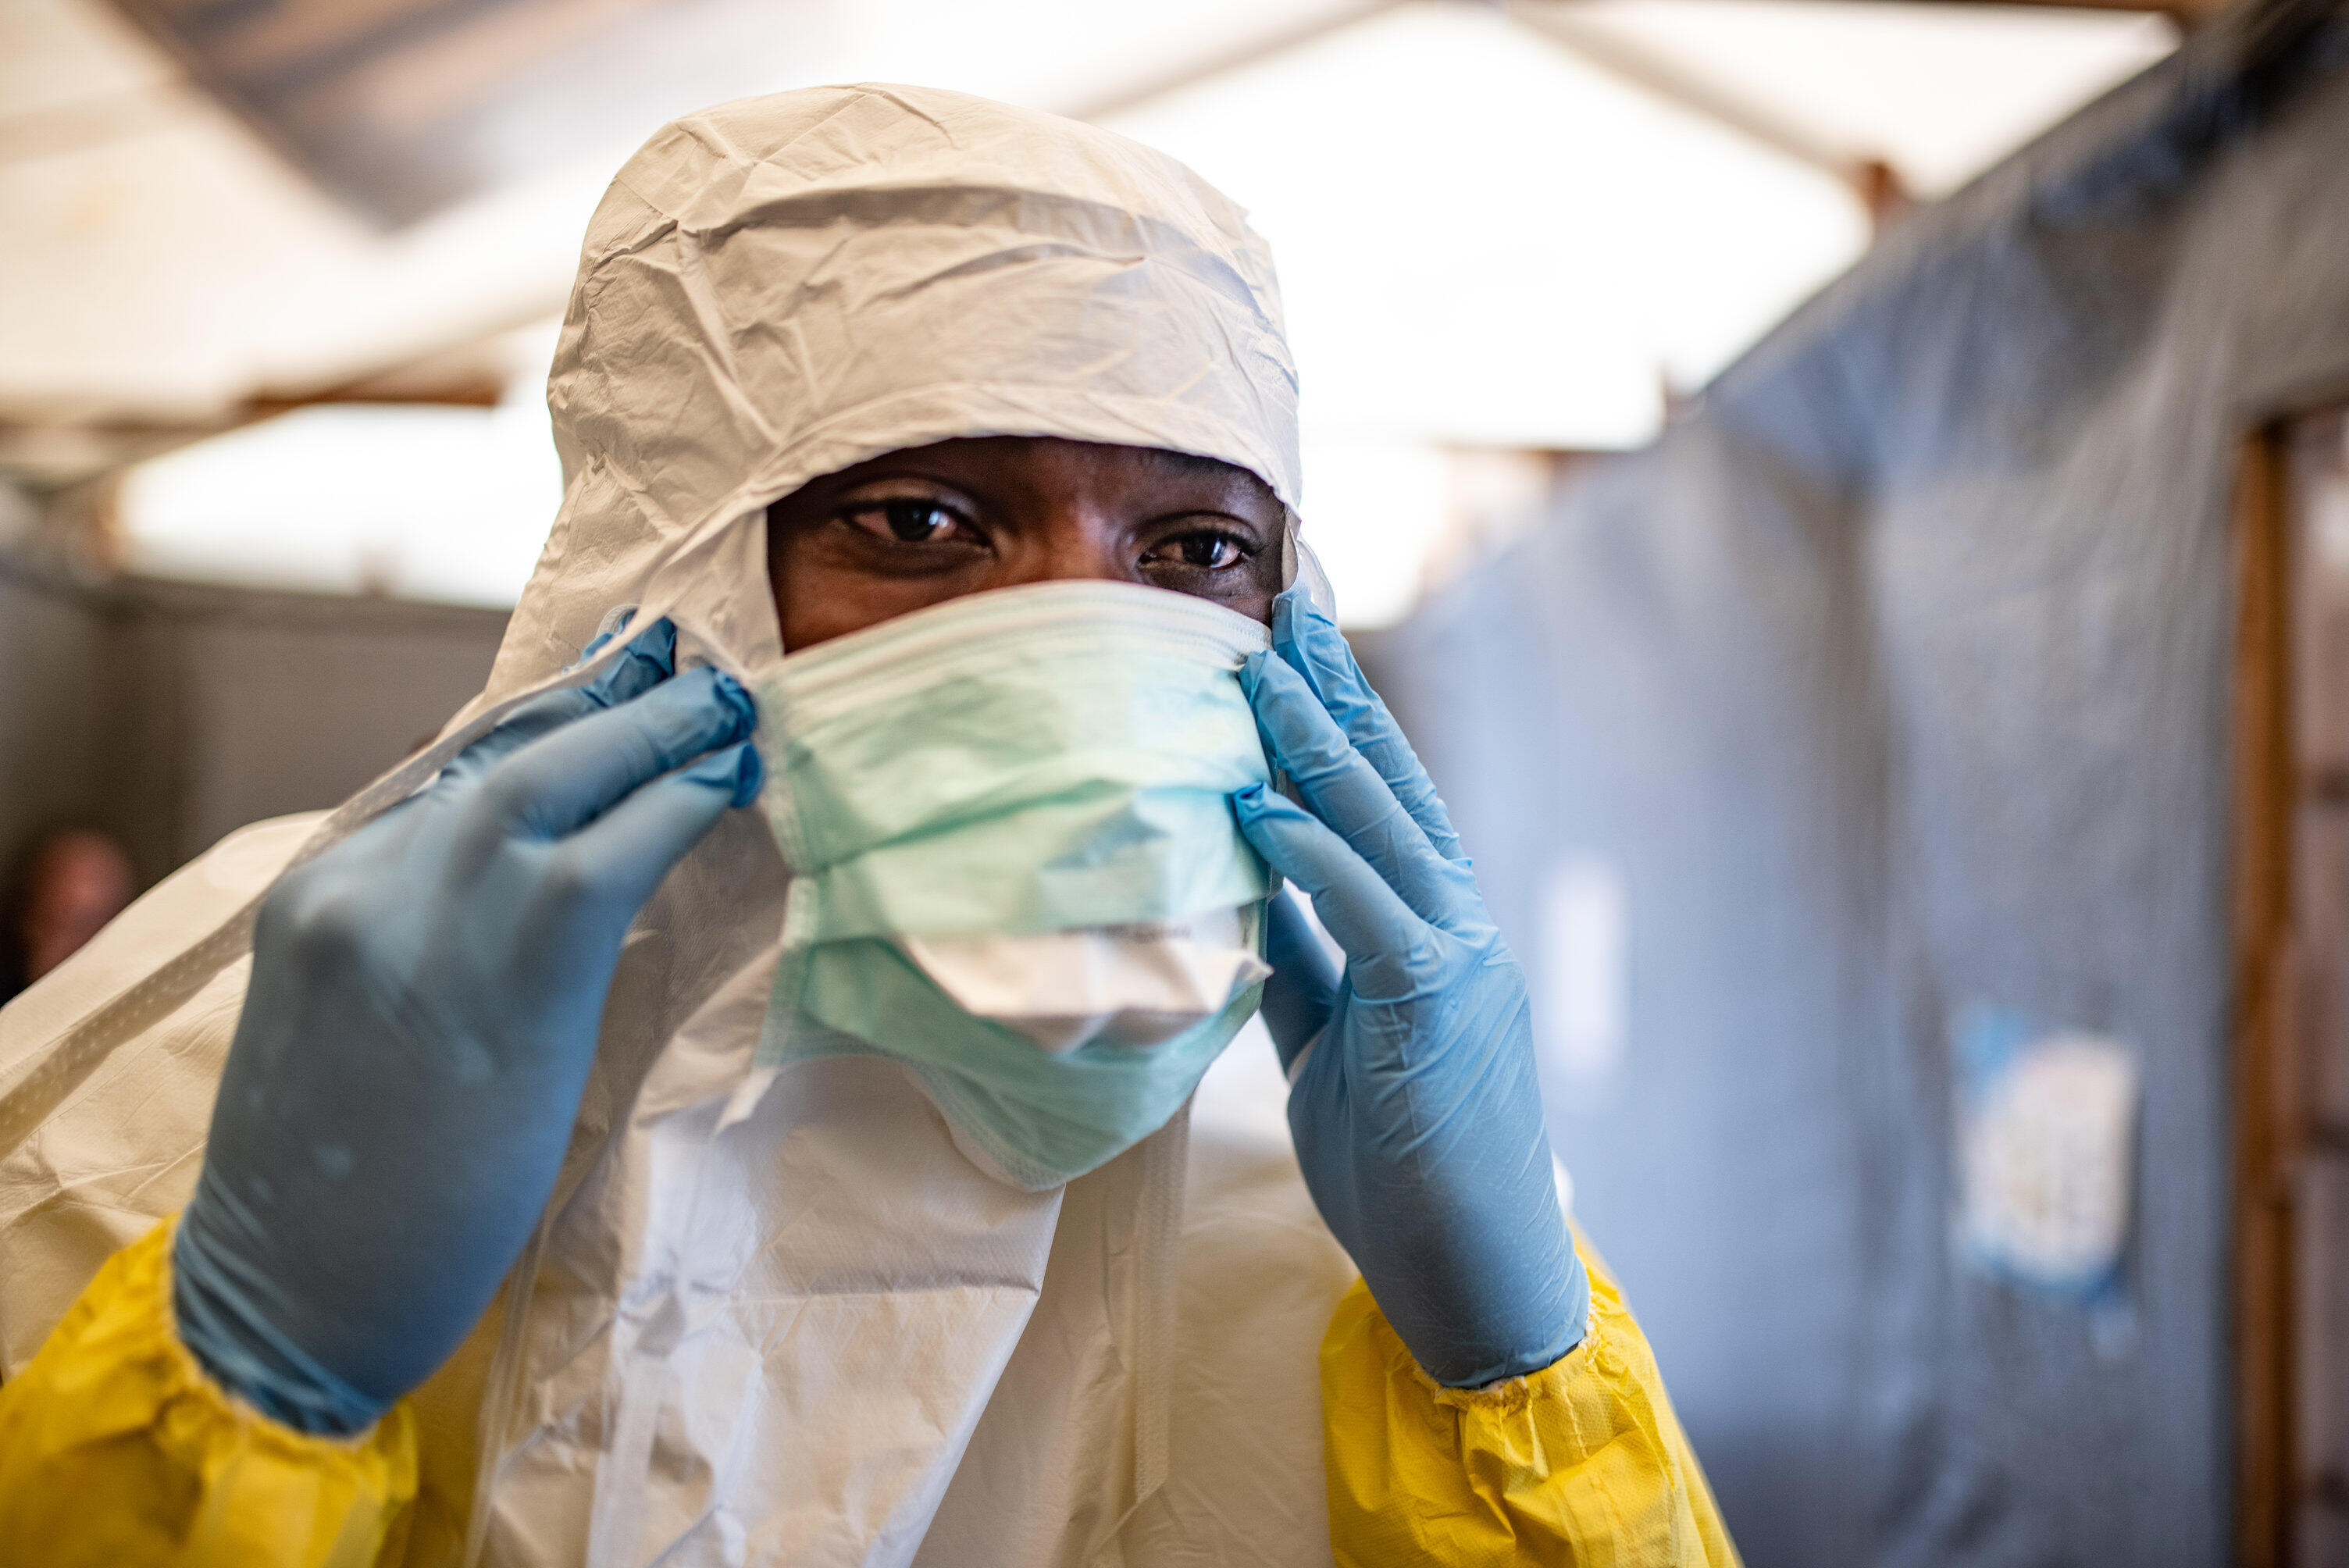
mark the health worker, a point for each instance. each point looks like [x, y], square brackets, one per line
[780, 1080]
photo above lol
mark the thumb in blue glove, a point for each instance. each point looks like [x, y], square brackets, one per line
[418, 1030]
[1415, 1107]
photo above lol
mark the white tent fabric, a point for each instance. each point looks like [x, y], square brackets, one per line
[163, 263]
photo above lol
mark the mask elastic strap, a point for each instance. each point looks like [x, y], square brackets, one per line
[1299, 567]
[502, 1389]
[1166, 1155]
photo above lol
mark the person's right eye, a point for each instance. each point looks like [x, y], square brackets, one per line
[908, 520]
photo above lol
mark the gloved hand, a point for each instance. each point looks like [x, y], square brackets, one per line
[418, 1030]
[1417, 1116]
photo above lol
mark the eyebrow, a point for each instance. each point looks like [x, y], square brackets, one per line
[1197, 465]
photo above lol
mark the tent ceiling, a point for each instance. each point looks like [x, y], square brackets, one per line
[400, 107]
[171, 266]
[1442, 282]
[1939, 92]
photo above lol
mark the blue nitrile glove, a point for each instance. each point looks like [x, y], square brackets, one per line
[1417, 1116]
[418, 1030]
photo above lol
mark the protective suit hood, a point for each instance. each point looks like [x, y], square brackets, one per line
[778, 288]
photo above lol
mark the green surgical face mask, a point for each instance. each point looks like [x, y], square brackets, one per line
[1014, 864]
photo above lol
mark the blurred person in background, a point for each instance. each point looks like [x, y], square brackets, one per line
[595, 1168]
[71, 883]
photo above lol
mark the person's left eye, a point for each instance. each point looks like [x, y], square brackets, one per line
[1205, 549]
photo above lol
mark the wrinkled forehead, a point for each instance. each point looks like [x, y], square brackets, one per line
[1051, 463]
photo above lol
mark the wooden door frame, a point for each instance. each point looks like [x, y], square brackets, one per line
[2266, 1113]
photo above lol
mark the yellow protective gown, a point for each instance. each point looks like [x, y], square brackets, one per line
[117, 1451]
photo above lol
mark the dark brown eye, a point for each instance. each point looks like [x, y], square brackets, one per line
[1205, 551]
[909, 520]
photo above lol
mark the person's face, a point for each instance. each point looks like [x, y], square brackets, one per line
[932, 523]
[79, 881]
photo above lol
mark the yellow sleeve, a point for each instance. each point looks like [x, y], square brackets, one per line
[116, 1448]
[1582, 1462]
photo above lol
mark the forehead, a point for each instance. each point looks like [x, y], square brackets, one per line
[1054, 462]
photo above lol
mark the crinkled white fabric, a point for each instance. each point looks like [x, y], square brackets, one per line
[781, 1318]
[1062, 989]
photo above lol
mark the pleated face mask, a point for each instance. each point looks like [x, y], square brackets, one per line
[1014, 864]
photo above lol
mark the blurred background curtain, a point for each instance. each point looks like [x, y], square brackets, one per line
[1893, 682]
[170, 714]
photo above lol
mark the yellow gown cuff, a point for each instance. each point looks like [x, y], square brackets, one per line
[1582, 1462]
[116, 1448]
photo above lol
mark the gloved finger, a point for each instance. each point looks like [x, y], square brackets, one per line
[649, 659]
[1303, 990]
[625, 852]
[1311, 644]
[1343, 787]
[565, 780]
[1387, 946]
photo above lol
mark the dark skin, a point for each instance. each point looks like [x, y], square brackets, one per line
[921, 526]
